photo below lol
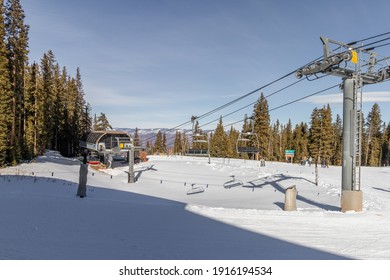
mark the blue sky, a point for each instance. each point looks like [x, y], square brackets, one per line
[150, 63]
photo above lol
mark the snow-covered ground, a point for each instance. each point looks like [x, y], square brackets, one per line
[238, 216]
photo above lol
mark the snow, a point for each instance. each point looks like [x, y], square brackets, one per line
[239, 216]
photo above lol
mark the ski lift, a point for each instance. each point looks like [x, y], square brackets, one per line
[248, 141]
[233, 183]
[199, 141]
[195, 189]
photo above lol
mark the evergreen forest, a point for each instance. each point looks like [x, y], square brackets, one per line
[41, 105]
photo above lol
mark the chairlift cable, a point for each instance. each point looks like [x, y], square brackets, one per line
[373, 43]
[271, 83]
[286, 75]
[375, 47]
[291, 102]
[369, 38]
[252, 103]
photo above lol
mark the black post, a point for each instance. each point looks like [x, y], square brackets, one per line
[82, 189]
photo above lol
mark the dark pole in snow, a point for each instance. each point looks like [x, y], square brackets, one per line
[131, 165]
[208, 146]
[82, 189]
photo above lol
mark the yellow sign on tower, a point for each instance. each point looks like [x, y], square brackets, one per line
[354, 58]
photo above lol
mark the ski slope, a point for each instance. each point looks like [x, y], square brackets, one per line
[238, 216]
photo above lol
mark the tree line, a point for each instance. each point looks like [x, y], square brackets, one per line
[320, 139]
[41, 105]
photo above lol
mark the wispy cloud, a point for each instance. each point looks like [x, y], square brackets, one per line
[106, 97]
[337, 98]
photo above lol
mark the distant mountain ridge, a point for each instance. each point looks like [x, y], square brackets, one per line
[149, 134]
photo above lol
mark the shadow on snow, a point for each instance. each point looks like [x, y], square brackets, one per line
[46, 220]
[274, 181]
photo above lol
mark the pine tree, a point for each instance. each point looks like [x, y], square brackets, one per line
[84, 108]
[102, 123]
[46, 100]
[300, 141]
[262, 125]
[366, 139]
[17, 49]
[374, 126]
[287, 137]
[149, 147]
[185, 143]
[315, 135]
[232, 140]
[159, 144]
[177, 145]
[136, 140]
[386, 146]
[57, 109]
[30, 100]
[164, 143]
[218, 143]
[276, 142]
[321, 134]
[327, 134]
[5, 95]
[94, 122]
[66, 131]
[337, 141]
[86, 125]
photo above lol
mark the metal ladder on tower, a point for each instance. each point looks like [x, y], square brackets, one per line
[358, 134]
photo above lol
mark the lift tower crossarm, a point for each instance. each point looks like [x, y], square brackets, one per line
[330, 64]
[325, 45]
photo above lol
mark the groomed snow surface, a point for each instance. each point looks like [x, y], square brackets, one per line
[238, 216]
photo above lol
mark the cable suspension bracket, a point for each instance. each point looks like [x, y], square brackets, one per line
[342, 63]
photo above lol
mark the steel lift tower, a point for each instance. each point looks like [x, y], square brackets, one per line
[348, 62]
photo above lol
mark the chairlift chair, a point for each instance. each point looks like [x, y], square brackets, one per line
[195, 189]
[198, 137]
[248, 141]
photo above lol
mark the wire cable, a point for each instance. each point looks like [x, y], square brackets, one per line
[369, 49]
[286, 75]
[226, 104]
[244, 96]
[271, 83]
[291, 102]
[373, 43]
[252, 103]
[369, 38]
